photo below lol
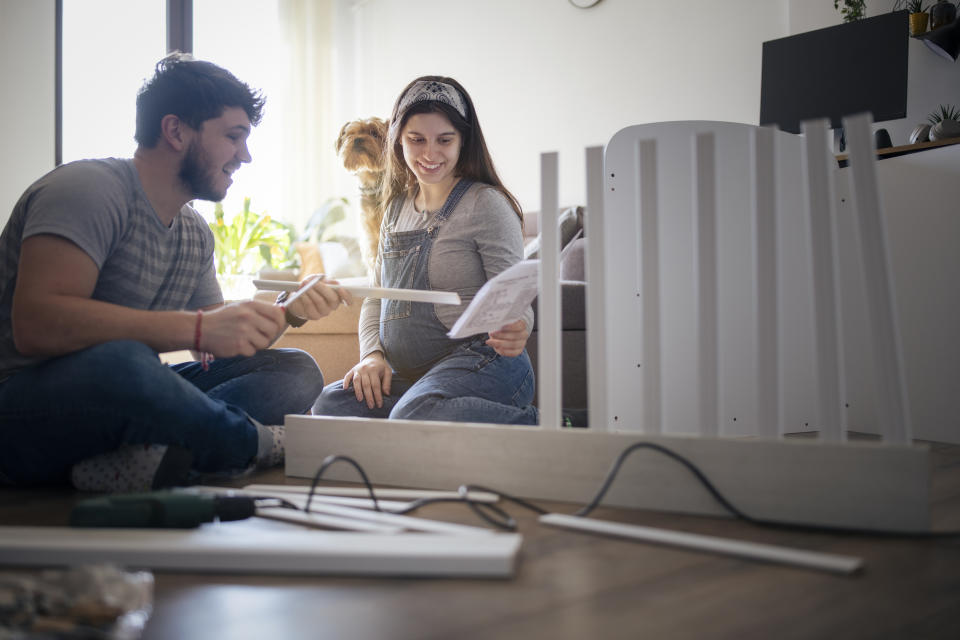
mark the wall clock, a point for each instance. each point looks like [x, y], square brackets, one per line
[584, 4]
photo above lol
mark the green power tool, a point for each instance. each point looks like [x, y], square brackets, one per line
[161, 509]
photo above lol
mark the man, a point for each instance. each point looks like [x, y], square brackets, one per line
[103, 264]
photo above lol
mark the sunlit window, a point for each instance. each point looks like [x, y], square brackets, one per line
[243, 36]
[109, 48]
[282, 48]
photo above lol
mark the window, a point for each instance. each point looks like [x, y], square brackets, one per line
[244, 37]
[104, 64]
[281, 47]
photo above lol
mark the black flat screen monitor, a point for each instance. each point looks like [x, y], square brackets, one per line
[835, 72]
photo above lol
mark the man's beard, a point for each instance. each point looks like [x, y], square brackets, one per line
[196, 175]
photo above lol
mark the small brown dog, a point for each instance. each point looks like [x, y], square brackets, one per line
[360, 147]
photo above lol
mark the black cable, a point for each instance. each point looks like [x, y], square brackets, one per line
[505, 521]
[329, 460]
[736, 512]
[615, 469]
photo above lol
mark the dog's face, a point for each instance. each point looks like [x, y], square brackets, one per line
[360, 145]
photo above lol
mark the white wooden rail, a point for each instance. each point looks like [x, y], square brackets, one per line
[550, 348]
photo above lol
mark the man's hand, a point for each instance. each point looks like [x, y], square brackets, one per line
[319, 300]
[242, 328]
[510, 339]
[370, 379]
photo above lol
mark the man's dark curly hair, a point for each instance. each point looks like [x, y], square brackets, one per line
[194, 91]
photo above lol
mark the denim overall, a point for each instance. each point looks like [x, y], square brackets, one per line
[435, 377]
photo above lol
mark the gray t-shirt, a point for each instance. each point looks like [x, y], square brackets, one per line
[480, 239]
[100, 206]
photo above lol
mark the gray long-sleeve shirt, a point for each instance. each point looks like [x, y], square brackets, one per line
[480, 239]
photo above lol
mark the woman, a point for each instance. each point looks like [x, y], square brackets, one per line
[449, 224]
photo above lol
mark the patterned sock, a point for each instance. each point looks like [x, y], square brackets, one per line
[270, 452]
[130, 468]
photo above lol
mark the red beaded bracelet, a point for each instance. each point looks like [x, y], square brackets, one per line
[196, 333]
[205, 358]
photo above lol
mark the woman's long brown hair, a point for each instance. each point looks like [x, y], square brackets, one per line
[474, 162]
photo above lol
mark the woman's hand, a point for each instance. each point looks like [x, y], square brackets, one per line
[510, 339]
[370, 379]
[319, 300]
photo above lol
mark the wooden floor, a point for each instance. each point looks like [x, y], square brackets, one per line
[571, 585]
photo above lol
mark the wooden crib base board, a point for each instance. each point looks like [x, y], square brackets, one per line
[864, 485]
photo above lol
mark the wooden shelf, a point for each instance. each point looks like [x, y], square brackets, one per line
[892, 152]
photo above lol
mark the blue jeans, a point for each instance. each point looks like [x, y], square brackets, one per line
[473, 384]
[66, 409]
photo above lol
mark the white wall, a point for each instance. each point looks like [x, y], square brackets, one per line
[27, 107]
[546, 76]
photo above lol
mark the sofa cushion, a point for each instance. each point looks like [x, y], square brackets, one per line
[571, 223]
[572, 307]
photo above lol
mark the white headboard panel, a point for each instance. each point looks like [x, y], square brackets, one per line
[728, 266]
[692, 280]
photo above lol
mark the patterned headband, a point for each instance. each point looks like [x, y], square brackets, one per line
[431, 90]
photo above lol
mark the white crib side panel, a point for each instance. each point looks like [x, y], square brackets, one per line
[656, 353]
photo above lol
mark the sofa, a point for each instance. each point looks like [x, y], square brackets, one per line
[333, 341]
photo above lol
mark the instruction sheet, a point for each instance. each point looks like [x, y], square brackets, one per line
[500, 301]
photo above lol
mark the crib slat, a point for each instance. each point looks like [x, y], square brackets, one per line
[893, 414]
[549, 380]
[763, 173]
[650, 367]
[705, 288]
[593, 267]
[828, 345]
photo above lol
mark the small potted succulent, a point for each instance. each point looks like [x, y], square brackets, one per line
[851, 9]
[944, 123]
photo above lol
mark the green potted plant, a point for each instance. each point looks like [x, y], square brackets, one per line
[246, 243]
[944, 123]
[851, 9]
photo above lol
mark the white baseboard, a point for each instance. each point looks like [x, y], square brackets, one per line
[867, 485]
